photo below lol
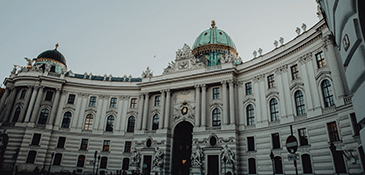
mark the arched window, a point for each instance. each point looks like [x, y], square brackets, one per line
[155, 122]
[274, 109]
[125, 164]
[327, 94]
[131, 121]
[53, 69]
[306, 162]
[250, 115]
[278, 165]
[251, 166]
[89, 122]
[57, 159]
[299, 102]
[16, 114]
[103, 162]
[216, 117]
[66, 120]
[31, 156]
[43, 117]
[81, 161]
[110, 123]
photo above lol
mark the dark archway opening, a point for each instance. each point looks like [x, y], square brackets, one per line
[182, 148]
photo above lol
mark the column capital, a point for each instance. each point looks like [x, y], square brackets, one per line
[224, 82]
[58, 89]
[167, 90]
[64, 91]
[231, 81]
[197, 86]
[204, 86]
[162, 91]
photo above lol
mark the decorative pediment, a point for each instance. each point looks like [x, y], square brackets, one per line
[134, 113]
[91, 110]
[185, 110]
[296, 84]
[272, 93]
[111, 112]
[68, 109]
[249, 99]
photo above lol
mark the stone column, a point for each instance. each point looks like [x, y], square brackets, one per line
[145, 112]
[9, 106]
[31, 104]
[256, 93]
[162, 109]
[103, 112]
[281, 100]
[37, 104]
[26, 103]
[239, 104]
[204, 106]
[124, 114]
[54, 106]
[119, 114]
[59, 116]
[140, 111]
[197, 109]
[308, 89]
[98, 109]
[80, 123]
[232, 119]
[225, 102]
[2, 102]
[167, 109]
[77, 110]
[262, 102]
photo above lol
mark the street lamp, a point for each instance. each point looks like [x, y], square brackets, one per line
[272, 162]
[97, 169]
[96, 152]
[50, 163]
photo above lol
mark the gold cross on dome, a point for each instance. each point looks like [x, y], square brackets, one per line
[213, 23]
[57, 46]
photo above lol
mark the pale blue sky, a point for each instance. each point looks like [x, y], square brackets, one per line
[122, 37]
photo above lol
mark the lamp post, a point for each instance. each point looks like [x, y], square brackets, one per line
[272, 162]
[96, 152]
[50, 163]
[97, 168]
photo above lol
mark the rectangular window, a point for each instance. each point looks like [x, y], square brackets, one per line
[303, 138]
[275, 140]
[22, 95]
[113, 103]
[157, 100]
[92, 101]
[133, 103]
[355, 125]
[127, 147]
[36, 139]
[271, 81]
[294, 72]
[333, 132]
[71, 99]
[31, 156]
[250, 143]
[61, 142]
[49, 95]
[84, 143]
[216, 93]
[320, 60]
[106, 145]
[248, 88]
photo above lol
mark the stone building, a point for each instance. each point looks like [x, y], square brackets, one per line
[208, 113]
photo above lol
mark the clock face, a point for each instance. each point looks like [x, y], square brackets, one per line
[184, 110]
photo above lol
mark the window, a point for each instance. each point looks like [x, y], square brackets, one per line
[43, 117]
[320, 60]
[131, 121]
[133, 103]
[22, 95]
[332, 131]
[271, 81]
[110, 123]
[155, 122]
[275, 140]
[89, 122]
[31, 156]
[274, 109]
[61, 142]
[53, 69]
[92, 101]
[307, 167]
[294, 72]
[216, 117]
[81, 161]
[16, 114]
[71, 99]
[248, 88]
[84, 143]
[216, 93]
[103, 162]
[278, 165]
[250, 115]
[127, 147]
[303, 138]
[299, 102]
[157, 100]
[250, 144]
[66, 120]
[106, 145]
[125, 164]
[113, 103]
[355, 125]
[327, 94]
[251, 166]
[57, 159]
[36, 139]
[49, 95]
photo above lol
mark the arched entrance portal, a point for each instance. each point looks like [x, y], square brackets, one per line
[182, 148]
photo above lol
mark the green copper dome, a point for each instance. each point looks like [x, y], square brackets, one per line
[213, 36]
